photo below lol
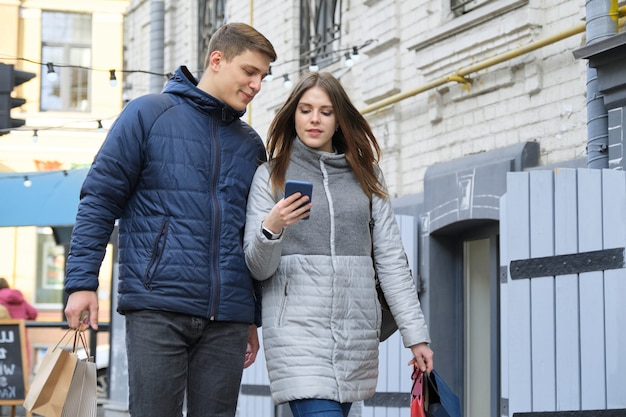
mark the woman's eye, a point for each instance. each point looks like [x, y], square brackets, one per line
[327, 113]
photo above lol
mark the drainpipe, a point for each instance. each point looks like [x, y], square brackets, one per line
[601, 23]
[157, 44]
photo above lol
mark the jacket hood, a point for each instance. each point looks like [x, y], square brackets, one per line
[183, 83]
[11, 296]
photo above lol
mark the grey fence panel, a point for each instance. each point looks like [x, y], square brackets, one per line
[517, 233]
[566, 294]
[542, 332]
[564, 335]
[614, 232]
[504, 306]
[592, 338]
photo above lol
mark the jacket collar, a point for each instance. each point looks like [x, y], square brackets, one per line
[184, 84]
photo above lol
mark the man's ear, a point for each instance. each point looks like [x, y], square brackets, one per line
[215, 59]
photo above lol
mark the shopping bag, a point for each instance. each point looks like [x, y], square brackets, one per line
[48, 390]
[417, 394]
[437, 399]
[82, 396]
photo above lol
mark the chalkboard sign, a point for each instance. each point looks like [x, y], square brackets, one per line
[13, 357]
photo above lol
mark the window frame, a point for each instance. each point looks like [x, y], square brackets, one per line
[71, 68]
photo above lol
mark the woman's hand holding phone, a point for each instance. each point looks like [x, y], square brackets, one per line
[294, 207]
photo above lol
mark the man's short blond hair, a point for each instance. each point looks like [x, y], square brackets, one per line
[233, 39]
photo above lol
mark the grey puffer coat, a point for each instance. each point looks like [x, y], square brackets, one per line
[321, 316]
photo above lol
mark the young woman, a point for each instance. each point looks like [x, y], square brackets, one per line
[321, 316]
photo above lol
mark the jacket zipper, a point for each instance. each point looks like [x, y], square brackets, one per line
[214, 251]
[157, 254]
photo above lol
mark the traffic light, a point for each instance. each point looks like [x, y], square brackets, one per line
[9, 79]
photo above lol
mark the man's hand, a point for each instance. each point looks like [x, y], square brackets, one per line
[82, 310]
[253, 346]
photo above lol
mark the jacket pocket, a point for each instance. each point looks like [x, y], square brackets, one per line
[283, 304]
[157, 254]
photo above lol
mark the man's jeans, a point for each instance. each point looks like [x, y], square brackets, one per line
[168, 353]
[319, 408]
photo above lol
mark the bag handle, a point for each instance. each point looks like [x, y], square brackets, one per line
[63, 338]
[79, 336]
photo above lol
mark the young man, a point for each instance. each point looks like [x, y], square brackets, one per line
[175, 169]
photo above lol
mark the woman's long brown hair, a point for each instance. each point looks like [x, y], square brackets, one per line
[354, 138]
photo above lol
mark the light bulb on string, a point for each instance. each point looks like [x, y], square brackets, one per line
[112, 78]
[269, 77]
[349, 61]
[52, 76]
[355, 54]
[100, 127]
[27, 181]
[35, 136]
[314, 67]
[287, 83]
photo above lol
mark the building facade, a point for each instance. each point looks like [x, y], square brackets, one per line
[461, 95]
[71, 48]
[466, 98]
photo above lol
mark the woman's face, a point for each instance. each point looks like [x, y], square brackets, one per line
[316, 122]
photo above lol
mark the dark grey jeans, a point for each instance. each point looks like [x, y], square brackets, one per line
[169, 353]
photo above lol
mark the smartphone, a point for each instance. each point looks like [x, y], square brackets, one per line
[303, 187]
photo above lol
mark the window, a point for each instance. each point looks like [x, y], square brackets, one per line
[320, 29]
[460, 7]
[50, 268]
[51, 252]
[211, 15]
[66, 42]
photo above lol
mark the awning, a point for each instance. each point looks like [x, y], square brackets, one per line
[50, 200]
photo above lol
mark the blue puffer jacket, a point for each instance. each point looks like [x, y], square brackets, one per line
[175, 168]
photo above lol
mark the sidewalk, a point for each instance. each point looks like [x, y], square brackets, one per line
[5, 411]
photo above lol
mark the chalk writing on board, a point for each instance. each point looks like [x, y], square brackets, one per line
[12, 380]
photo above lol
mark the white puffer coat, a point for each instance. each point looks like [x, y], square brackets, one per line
[321, 316]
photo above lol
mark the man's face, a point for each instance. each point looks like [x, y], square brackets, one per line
[238, 81]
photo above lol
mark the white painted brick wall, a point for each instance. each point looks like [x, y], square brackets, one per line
[538, 96]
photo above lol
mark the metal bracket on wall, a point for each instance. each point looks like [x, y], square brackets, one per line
[576, 263]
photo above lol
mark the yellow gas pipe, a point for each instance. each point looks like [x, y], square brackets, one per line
[459, 75]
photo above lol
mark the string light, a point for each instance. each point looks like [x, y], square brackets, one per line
[112, 79]
[28, 179]
[351, 55]
[100, 127]
[287, 82]
[349, 61]
[51, 75]
[35, 136]
[355, 54]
